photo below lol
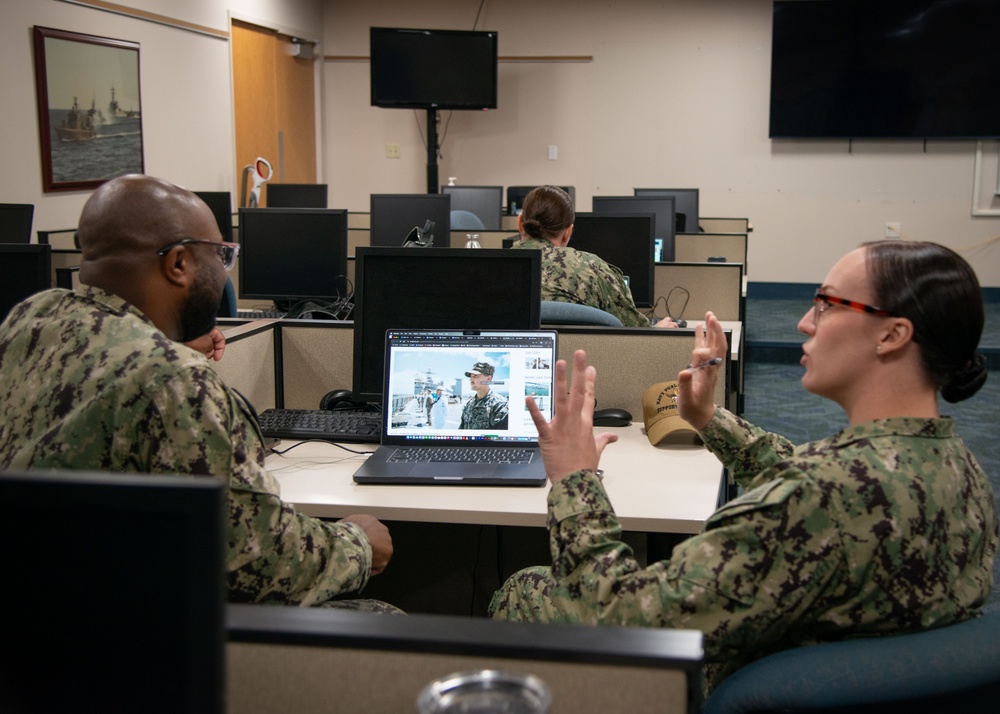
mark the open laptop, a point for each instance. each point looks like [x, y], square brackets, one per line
[453, 408]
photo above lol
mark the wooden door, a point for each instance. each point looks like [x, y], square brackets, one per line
[274, 100]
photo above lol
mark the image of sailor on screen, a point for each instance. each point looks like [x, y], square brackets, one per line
[439, 409]
[485, 409]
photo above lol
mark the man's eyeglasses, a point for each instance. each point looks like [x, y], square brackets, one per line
[822, 303]
[227, 251]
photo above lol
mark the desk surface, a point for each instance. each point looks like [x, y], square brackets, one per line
[666, 489]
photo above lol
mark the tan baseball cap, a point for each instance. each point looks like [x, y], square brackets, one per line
[662, 419]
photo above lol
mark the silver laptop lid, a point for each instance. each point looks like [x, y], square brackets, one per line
[459, 388]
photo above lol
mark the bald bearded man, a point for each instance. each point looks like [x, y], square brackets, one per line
[97, 379]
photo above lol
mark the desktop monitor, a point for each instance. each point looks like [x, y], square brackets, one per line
[291, 255]
[296, 195]
[685, 205]
[662, 206]
[135, 618]
[221, 203]
[15, 222]
[626, 241]
[395, 215]
[25, 269]
[432, 288]
[517, 194]
[486, 202]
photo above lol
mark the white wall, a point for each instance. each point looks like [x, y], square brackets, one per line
[676, 96]
[185, 82]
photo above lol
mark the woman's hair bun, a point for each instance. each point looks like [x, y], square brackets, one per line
[967, 381]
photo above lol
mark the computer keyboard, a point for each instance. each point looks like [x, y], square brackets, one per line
[462, 454]
[259, 314]
[333, 425]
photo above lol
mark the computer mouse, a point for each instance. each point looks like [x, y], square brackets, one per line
[681, 323]
[612, 417]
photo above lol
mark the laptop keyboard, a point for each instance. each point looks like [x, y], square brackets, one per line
[453, 454]
[333, 425]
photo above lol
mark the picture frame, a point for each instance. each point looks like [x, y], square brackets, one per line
[89, 108]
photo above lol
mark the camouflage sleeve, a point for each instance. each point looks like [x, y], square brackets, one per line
[274, 554]
[617, 297]
[732, 582]
[744, 449]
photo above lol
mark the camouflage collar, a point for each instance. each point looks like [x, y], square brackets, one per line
[940, 428]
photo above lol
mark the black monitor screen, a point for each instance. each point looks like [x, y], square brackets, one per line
[25, 269]
[296, 195]
[290, 254]
[15, 222]
[517, 194]
[221, 203]
[437, 288]
[685, 205]
[433, 69]
[663, 207]
[916, 69]
[485, 202]
[626, 241]
[395, 215]
[136, 622]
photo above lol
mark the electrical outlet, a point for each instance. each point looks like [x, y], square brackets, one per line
[892, 230]
[392, 151]
[553, 152]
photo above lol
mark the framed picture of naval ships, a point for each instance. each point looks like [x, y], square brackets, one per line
[89, 113]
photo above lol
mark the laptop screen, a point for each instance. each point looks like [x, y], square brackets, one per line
[466, 386]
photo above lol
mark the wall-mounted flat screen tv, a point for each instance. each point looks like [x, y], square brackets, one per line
[433, 69]
[915, 69]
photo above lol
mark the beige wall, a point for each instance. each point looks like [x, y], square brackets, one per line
[676, 95]
[185, 84]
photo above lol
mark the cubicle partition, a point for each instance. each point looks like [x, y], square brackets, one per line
[724, 225]
[692, 289]
[293, 363]
[282, 659]
[700, 247]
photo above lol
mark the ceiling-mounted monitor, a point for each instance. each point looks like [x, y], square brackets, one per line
[433, 69]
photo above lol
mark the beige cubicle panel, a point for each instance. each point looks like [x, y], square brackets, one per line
[710, 286]
[248, 364]
[724, 225]
[630, 360]
[699, 247]
[276, 668]
[316, 357]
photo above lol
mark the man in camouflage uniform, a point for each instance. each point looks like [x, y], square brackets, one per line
[570, 275]
[487, 409]
[886, 527]
[97, 379]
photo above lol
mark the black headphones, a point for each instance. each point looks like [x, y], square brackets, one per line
[339, 399]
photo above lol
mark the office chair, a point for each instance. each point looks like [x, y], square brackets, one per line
[952, 668]
[466, 221]
[568, 313]
[227, 306]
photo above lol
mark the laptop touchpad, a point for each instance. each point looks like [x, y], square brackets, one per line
[447, 470]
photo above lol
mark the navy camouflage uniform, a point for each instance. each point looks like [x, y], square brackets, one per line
[885, 527]
[490, 412]
[570, 275]
[88, 382]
